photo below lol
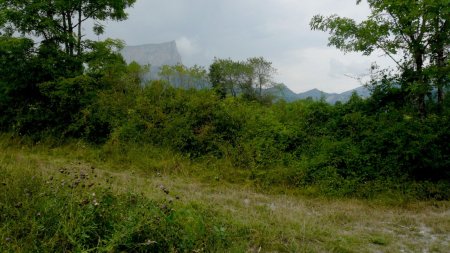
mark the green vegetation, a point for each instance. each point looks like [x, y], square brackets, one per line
[83, 139]
[415, 34]
[149, 199]
[73, 208]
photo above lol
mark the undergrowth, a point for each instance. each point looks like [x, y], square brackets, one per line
[75, 197]
[79, 212]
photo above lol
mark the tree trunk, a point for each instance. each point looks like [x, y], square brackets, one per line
[66, 44]
[441, 77]
[260, 86]
[419, 78]
[440, 59]
[70, 33]
[79, 29]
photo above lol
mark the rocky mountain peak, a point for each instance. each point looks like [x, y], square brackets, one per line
[156, 55]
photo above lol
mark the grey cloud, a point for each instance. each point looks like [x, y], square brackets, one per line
[240, 29]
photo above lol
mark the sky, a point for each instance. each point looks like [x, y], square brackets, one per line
[277, 30]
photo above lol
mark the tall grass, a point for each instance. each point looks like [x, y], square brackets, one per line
[73, 197]
[67, 210]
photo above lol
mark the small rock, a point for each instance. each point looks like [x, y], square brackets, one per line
[164, 189]
[149, 242]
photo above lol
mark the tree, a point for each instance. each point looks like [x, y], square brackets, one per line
[231, 77]
[418, 30]
[59, 21]
[51, 61]
[263, 72]
[198, 76]
[166, 72]
[182, 76]
[15, 57]
[439, 41]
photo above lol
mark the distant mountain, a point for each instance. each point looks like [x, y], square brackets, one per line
[345, 96]
[283, 92]
[314, 94]
[156, 55]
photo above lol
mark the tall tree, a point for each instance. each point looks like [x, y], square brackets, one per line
[231, 77]
[59, 21]
[263, 73]
[439, 41]
[414, 29]
[184, 77]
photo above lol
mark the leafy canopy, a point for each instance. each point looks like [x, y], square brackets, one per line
[413, 33]
[59, 21]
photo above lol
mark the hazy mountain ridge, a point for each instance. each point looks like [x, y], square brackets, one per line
[283, 92]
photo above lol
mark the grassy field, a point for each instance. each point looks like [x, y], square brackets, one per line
[78, 198]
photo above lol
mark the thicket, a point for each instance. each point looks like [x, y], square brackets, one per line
[354, 148]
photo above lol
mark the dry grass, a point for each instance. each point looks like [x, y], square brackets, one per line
[276, 222]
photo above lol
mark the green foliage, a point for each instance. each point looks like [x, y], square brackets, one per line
[15, 55]
[247, 78]
[58, 213]
[418, 31]
[60, 22]
[184, 77]
[309, 143]
[104, 59]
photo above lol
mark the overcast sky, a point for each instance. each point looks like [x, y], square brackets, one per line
[278, 30]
